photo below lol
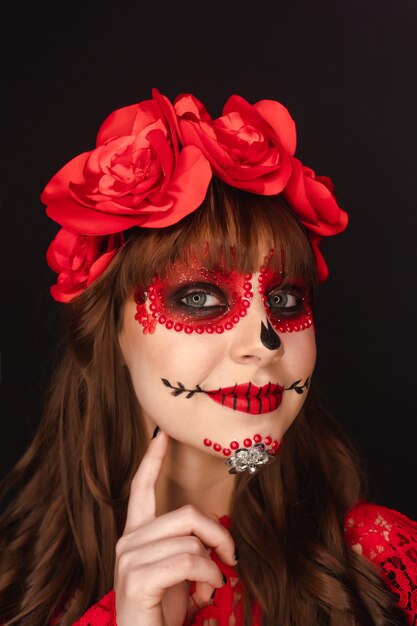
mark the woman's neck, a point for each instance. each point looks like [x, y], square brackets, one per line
[191, 476]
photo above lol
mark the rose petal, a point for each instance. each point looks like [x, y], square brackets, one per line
[127, 120]
[322, 269]
[187, 188]
[281, 121]
[295, 194]
[187, 105]
[71, 172]
[78, 261]
[266, 115]
[100, 265]
[86, 220]
[165, 158]
[61, 296]
[169, 116]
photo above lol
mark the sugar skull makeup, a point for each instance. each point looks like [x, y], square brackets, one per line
[201, 383]
[193, 298]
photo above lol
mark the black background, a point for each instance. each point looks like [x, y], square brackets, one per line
[345, 69]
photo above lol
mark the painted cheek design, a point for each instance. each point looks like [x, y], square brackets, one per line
[163, 304]
[143, 316]
[299, 320]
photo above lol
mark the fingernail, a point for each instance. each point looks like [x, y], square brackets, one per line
[236, 555]
[224, 579]
[212, 595]
[156, 431]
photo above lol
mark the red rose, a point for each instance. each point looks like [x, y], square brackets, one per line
[249, 146]
[136, 175]
[322, 269]
[79, 260]
[312, 199]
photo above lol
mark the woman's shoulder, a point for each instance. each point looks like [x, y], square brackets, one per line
[375, 530]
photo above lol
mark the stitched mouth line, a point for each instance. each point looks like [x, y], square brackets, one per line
[180, 389]
[262, 391]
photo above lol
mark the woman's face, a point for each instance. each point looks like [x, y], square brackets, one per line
[220, 360]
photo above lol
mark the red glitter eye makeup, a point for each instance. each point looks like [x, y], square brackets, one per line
[195, 299]
[192, 298]
[287, 306]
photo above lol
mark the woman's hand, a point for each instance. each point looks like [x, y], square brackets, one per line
[157, 557]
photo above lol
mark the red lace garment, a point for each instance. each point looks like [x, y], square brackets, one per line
[384, 536]
[389, 539]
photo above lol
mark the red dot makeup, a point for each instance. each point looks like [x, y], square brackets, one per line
[247, 443]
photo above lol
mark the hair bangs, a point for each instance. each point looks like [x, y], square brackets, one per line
[232, 229]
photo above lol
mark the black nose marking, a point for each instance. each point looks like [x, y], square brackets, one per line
[269, 337]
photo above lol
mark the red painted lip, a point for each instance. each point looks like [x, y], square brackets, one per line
[249, 398]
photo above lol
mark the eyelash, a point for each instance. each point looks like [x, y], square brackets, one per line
[286, 311]
[211, 291]
[198, 290]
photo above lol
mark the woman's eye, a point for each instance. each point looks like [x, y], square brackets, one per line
[200, 299]
[282, 300]
[285, 302]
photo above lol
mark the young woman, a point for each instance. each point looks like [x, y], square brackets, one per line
[184, 471]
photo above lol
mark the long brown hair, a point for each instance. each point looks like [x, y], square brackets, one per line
[58, 535]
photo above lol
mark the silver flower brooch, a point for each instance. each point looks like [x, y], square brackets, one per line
[249, 459]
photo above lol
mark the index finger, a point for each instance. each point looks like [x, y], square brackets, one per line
[142, 502]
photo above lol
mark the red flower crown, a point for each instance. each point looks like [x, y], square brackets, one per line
[152, 165]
